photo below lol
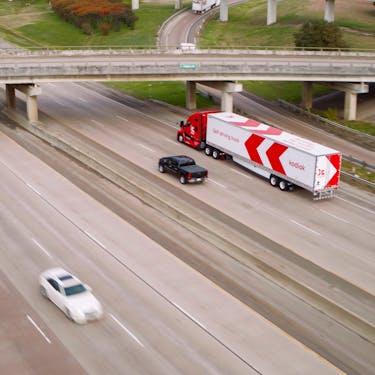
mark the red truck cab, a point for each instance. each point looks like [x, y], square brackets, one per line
[193, 131]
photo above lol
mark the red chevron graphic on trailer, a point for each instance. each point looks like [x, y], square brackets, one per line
[258, 127]
[273, 154]
[335, 161]
[252, 143]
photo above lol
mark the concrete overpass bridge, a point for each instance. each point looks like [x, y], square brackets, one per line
[346, 71]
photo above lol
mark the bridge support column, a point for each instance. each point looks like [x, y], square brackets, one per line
[31, 91]
[271, 11]
[351, 91]
[227, 89]
[10, 93]
[191, 98]
[135, 4]
[350, 109]
[227, 101]
[223, 11]
[329, 11]
[307, 95]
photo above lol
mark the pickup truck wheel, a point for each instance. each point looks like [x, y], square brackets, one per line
[208, 150]
[274, 180]
[183, 180]
[161, 168]
[283, 185]
[180, 138]
[216, 154]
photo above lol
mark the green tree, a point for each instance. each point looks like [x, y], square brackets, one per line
[320, 34]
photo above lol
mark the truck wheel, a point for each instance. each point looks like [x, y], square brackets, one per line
[283, 185]
[216, 154]
[183, 180]
[180, 138]
[161, 168]
[208, 150]
[274, 180]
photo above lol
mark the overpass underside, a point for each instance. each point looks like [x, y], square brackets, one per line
[225, 88]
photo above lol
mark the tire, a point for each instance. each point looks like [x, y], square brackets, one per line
[208, 151]
[161, 168]
[274, 181]
[283, 185]
[180, 138]
[216, 154]
[67, 313]
[43, 292]
[183, 180]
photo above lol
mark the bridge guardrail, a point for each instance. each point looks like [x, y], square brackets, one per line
[146, 49]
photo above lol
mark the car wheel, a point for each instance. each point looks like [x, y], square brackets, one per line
[274, 180]
[208, 150]
[68, 314]
[43, 292]
[216, 154]
[180, 138]
[161, 168]
[283, 185]
[183, 180]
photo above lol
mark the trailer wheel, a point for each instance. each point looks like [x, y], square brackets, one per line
[183, 180]
[180, 138]
[208, 151]
[216, 154]
[283, 185]
[274, 180]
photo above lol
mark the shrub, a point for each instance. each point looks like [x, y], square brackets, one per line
[95, 12]
[104, 27]
[86, 28]
[320, 34]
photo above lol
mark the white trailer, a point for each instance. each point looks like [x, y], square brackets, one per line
[283, 158]
[201, 6]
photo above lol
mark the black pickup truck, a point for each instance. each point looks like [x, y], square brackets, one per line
[184, 167]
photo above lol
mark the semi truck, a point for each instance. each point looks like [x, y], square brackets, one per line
[201, 6]
[285, 159]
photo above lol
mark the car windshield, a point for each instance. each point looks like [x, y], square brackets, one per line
[75, 289]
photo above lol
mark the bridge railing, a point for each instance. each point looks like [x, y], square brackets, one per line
[147, 49]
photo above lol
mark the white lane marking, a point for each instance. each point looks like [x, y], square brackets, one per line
[305, 227]
[59, 102]
[94, 239]
[41, 247]
[97, 122]
[122, 118]
[170, 141]
[82, 100]
[356, 205]
[126, 330]
[336, 217]
[218, 183]
[146, 147]
[33, 189]
[38, 329]
[191, 317]
[242, 174]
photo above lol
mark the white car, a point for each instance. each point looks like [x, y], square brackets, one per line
[70, 295]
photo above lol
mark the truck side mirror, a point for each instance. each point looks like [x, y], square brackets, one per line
[181, 124]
